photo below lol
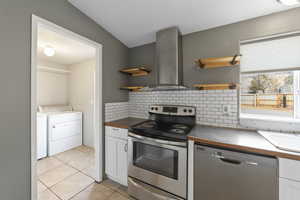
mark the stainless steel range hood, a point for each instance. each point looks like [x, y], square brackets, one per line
[168, 60]
[169, 57]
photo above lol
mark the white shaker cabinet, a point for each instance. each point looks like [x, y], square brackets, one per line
[122, 166]
[111, 156]
[289, 189]
[289, 179]
[116, 163]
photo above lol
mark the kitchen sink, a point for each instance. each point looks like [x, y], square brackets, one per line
[283, 141]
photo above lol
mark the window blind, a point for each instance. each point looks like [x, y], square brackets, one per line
[270, 55]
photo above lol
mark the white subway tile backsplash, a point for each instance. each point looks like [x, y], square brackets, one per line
[209, 108]
[115, 111]
[208, 104]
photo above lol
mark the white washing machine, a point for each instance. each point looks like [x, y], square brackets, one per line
[41, 137]
[64, 129]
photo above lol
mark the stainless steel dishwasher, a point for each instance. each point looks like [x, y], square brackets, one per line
[230, 175]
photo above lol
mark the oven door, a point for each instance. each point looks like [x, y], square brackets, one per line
[158, 163]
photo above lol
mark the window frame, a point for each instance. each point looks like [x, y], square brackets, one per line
[297, 94]
[296, 110]
[268, 118]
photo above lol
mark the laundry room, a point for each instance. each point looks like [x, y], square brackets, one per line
[65, 96]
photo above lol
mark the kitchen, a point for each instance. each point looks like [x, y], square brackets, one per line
[200, 102]
[226, 157]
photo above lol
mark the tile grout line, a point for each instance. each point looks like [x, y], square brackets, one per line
[81, 190]
[80, 170]
[116, 190]
[42, 184]
[54, 194]
[52, 168]
[68, 165]
[77, 171]
[61, 180]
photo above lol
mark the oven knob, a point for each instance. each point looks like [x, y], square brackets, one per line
[152, 108]
[185, 110]
[156, 109]
[190, 111]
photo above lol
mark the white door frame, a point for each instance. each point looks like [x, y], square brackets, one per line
[98, 125]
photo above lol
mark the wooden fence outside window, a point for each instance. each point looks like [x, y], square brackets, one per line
[268, 101]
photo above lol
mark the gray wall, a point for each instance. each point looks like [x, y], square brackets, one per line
[218, 42]
[143, 55]
[15, 40]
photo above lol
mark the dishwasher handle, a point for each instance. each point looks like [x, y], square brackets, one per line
[231, 161]
[227, 160]
[219, 156]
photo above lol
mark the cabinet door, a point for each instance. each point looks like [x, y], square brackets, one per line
[289, 190]
[111, 145]
[122, 165]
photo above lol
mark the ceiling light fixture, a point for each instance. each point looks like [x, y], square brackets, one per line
[49, 51]
[289, 2]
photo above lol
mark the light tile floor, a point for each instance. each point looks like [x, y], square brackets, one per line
[69, 176]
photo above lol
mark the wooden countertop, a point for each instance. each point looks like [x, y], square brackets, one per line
[238, 139]
[124, 123]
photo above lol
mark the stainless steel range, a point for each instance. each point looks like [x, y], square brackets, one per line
[157, 154]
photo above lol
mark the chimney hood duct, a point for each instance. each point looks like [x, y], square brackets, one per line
[169, 58]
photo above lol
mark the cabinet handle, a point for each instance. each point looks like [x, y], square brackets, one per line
[126, 147]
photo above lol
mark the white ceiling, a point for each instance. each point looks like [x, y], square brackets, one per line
[68, 51]
[135, 22]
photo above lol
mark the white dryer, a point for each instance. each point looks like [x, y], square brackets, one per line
[64, 129]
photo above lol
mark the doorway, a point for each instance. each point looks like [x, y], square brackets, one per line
[66, 109]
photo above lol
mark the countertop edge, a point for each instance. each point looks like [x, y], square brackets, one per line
[245, 148]
[116, 125]
[125, 122]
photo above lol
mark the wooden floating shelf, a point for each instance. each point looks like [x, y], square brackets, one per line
[208, 63]
[136, 71]
[226, 86]
[132, 88]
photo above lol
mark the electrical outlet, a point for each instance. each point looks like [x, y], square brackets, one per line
[226, 110]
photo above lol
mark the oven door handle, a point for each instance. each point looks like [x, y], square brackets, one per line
[139, 137]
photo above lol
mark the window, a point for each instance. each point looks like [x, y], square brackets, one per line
[270, 78]
[271, 93]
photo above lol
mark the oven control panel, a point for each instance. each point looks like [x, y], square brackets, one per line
[173, 110]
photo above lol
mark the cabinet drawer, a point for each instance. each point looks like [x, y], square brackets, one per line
[289, 190]
[116, 132]
[289, 169]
